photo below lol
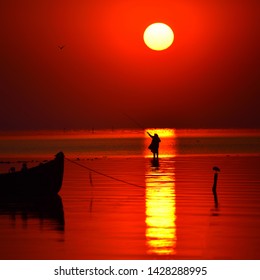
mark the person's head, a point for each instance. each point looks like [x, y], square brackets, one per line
[156, 135]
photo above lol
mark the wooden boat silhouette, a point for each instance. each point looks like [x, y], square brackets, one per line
[44, 179]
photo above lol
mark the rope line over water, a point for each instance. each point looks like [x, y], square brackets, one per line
[103, 174]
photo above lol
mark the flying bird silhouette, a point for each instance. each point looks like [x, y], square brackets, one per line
[61, 47]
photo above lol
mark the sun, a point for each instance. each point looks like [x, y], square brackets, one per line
[158, 36]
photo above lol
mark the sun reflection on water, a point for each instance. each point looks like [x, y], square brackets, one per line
[160, 199]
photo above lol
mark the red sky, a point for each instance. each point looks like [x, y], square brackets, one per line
[209, 77]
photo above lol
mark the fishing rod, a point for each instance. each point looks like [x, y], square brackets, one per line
[134, 121]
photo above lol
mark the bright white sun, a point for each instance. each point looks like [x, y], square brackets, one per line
[158, 36]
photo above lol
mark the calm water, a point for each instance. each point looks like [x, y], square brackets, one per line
[129, 207]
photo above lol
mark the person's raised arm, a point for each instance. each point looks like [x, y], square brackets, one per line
[149, 134]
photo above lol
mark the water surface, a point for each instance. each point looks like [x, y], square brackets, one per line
[130, 207]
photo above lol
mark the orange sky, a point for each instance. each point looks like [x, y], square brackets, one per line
[208, 78]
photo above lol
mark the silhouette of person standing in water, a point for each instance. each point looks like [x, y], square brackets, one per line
[214, 187]
[154, 146]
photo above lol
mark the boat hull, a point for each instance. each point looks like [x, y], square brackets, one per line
[44, 179]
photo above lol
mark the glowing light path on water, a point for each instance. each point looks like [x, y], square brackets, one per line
[161, 233]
